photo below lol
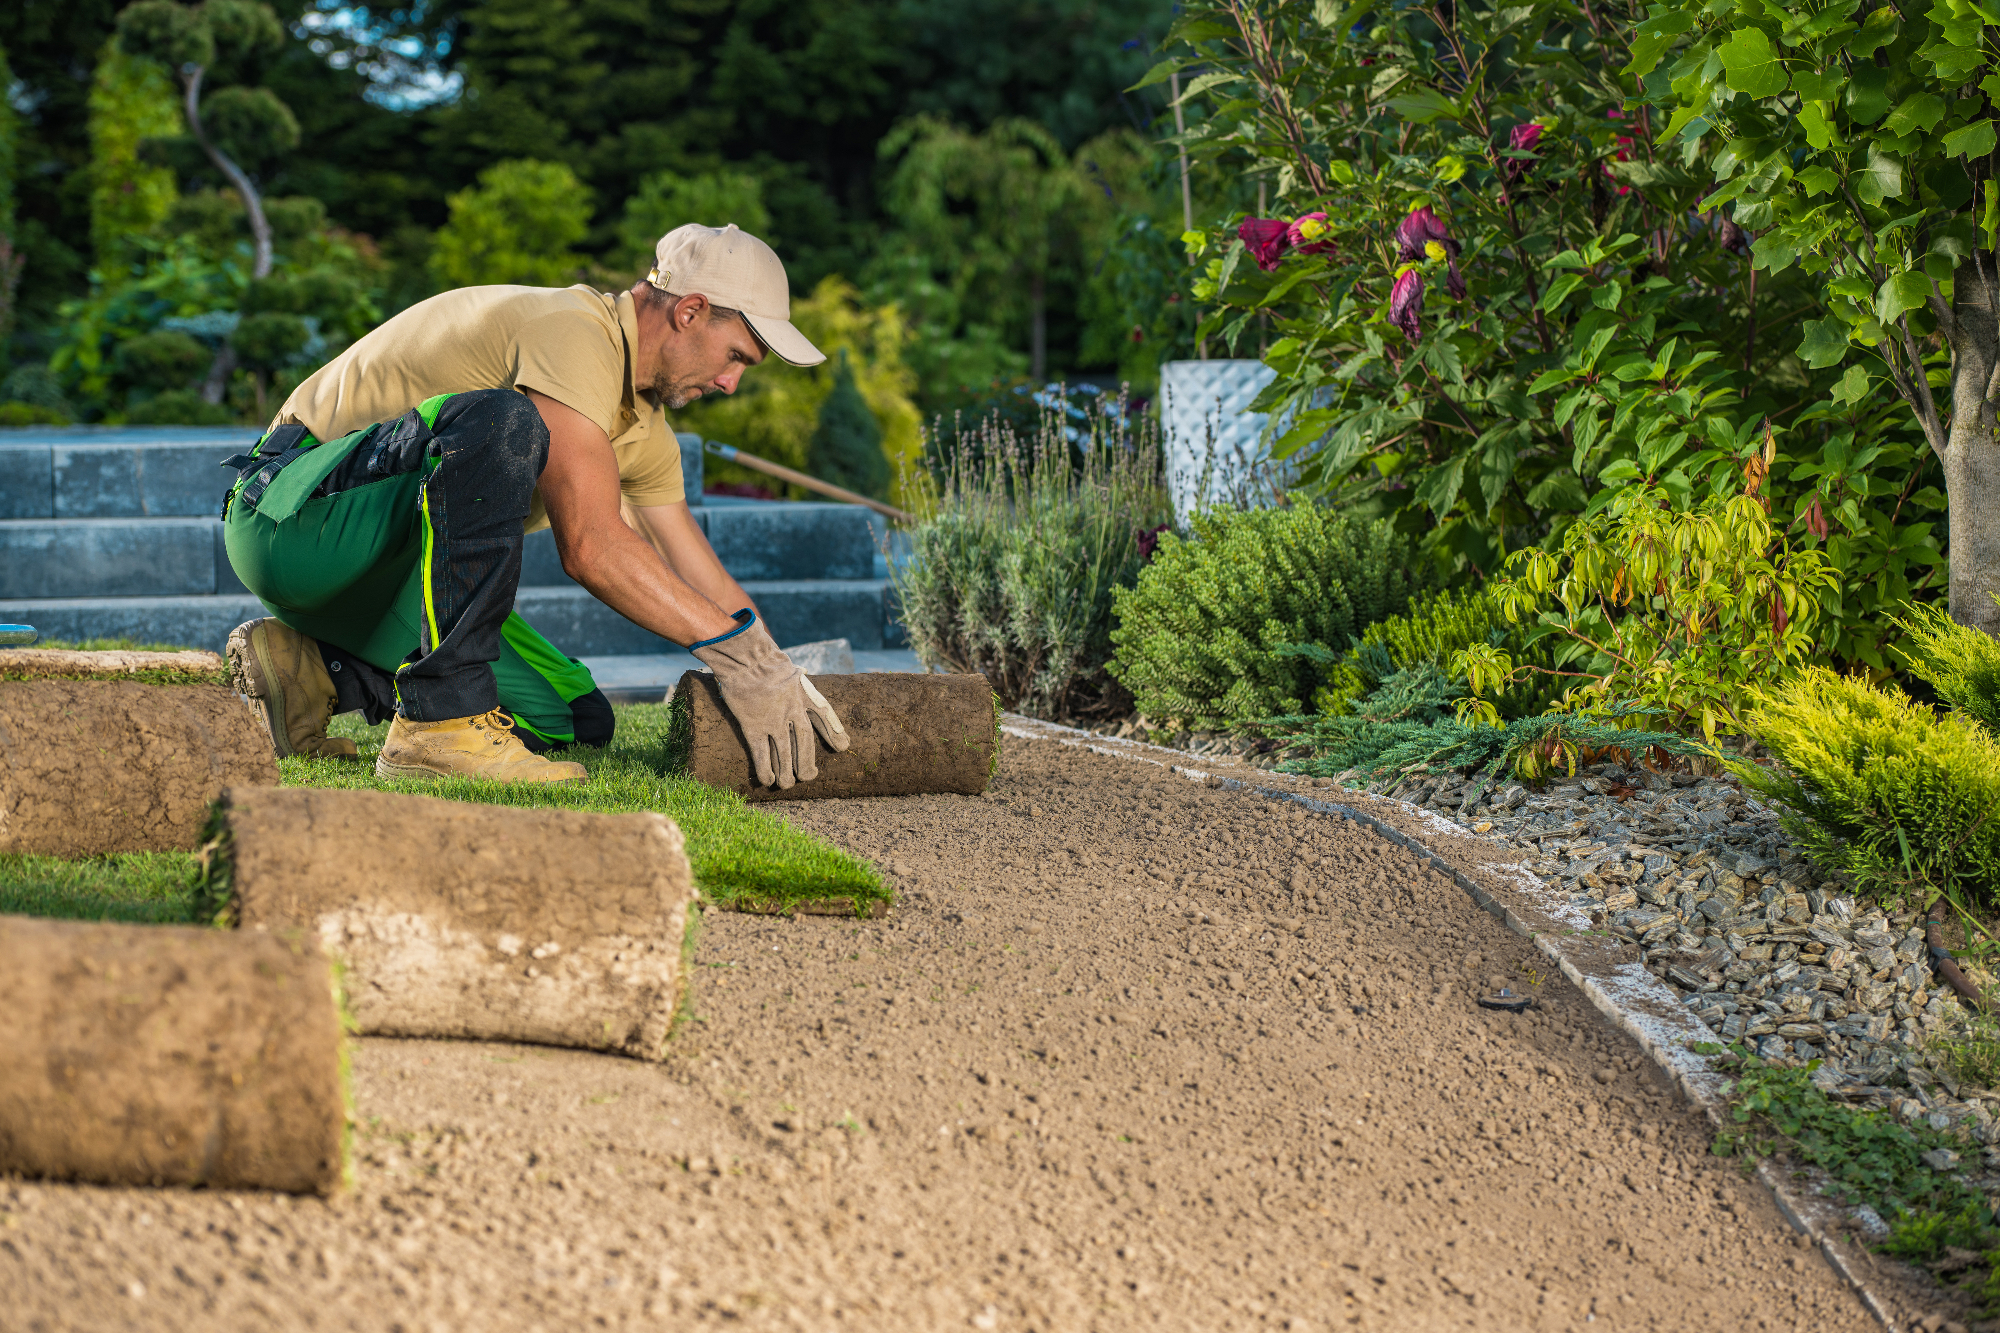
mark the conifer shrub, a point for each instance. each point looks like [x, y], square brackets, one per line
[1961, 663]
[1904, 799]
[1209, 635]
[1439, 625]
[846, 446]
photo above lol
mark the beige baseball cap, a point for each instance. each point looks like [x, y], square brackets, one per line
[736, 271]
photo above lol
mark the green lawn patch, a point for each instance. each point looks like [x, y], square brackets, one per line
[132, 886]
[741, 857]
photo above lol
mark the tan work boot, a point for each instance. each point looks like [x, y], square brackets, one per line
[483, 747]
[281, 673]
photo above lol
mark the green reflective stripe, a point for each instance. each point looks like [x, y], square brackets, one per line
[430, 606]
[553, 738]
[428, 410]
[568, 677]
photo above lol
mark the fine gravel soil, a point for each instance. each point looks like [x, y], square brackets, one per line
[1130, 1053]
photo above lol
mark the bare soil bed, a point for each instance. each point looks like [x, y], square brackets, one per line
[1083, 1077]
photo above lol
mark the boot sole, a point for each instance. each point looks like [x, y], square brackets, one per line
[385, 769]
[251, 675]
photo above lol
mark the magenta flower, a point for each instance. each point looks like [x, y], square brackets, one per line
[1422, 235]
[1406, 304]
[1305, 233]
[1266, 240]
[1522, 138]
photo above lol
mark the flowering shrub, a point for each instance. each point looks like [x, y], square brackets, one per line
[1513, 303]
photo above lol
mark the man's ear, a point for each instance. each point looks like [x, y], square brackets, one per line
[689, 308]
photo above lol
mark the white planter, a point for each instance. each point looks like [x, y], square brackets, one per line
[1216, 451]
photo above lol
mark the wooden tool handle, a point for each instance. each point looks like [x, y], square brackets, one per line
[729, 453]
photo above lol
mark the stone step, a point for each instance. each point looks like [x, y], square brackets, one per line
[182, 557]
[798, 610]
[117, 471]
[148, 471]
[756, 539]
[113, 557]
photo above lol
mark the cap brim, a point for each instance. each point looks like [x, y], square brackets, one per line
[779, 335]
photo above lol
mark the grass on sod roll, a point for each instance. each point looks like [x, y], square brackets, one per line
[738, 854]
[168, 676]
[110, 646]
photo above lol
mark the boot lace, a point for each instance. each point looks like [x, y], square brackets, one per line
[498, 725]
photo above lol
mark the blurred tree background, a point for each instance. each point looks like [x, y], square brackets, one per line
[963, 191]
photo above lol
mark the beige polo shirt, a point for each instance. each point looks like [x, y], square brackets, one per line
[574, 344]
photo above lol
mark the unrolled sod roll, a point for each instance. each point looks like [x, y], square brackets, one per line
[461, 920]
[908, 734]
[169, 1055]
[93, 766]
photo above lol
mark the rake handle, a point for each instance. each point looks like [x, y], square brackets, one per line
[729, 453]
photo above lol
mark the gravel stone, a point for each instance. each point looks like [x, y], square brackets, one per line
[1767, 949]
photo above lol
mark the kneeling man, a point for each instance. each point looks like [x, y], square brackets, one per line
[381, 519]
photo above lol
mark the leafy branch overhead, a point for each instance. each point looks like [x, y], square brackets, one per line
[1497, 290]
[1858, 143]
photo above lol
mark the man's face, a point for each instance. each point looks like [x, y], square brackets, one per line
[700, 354]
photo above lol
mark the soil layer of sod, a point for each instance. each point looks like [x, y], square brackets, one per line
[1129, 1053]
[739, 854]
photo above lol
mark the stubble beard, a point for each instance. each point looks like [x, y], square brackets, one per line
[673, 396]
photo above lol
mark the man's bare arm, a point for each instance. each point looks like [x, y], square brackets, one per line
[681, 542]
[618, 566]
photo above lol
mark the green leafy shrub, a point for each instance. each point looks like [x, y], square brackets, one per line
[1888, 790]
[36, 387]
[1018, 549]
[1961, 663]
[163, 359]
[1438, 627]
[16, 413]
[1678, 611]
[516, 225]
[1207, 635]
[179, 407]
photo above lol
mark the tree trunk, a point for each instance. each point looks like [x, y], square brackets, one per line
[253, 203]
[1038, 328]
[1972, 454]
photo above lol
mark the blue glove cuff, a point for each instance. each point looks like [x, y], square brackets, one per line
[744, 618]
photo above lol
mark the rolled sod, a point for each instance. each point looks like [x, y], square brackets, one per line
[908, 734]
[454, 919]
[95, 766]
[169, 1055]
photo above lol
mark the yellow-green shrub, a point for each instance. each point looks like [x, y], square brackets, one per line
[1961, 663]
[1887, 789]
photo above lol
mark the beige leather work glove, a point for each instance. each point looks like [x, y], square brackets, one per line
[773, 702]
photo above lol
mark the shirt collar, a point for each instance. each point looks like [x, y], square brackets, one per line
[628, 328]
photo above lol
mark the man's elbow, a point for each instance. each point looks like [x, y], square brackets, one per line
[583, 561]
